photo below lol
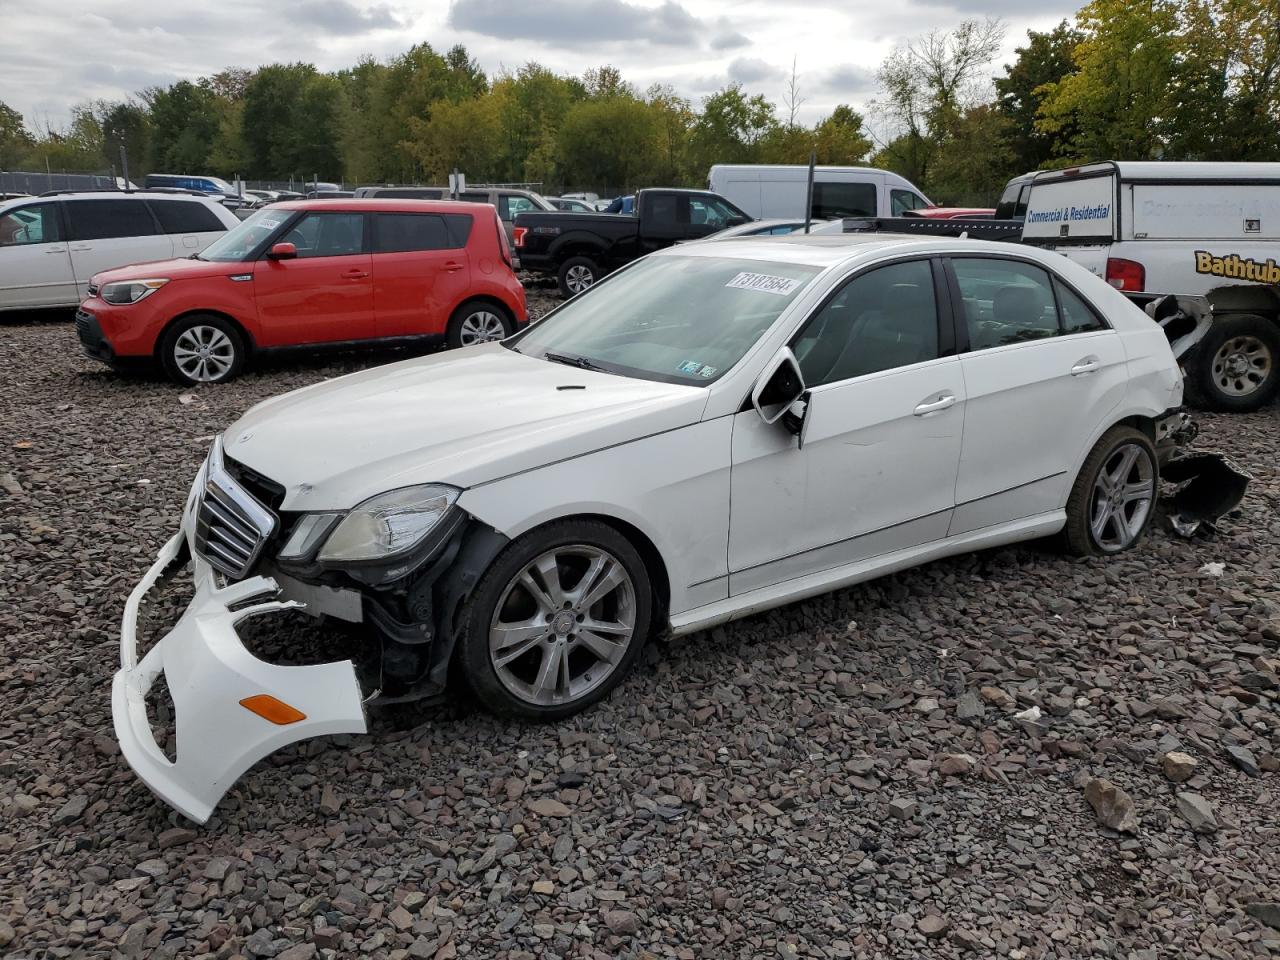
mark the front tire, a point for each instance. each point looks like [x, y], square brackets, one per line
[1114, 496]
[556, 622]
[479, 322]
[1237, 365]
[577, 274]
[203, 348]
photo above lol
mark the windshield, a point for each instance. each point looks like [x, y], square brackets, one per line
[670, 318]
[240, 241]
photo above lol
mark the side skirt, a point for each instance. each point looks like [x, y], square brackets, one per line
[814, 584]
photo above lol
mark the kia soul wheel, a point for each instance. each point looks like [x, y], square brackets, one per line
[557, 622]
[479, 323]
[202, 349]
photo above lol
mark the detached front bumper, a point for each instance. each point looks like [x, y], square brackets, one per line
[210, 676]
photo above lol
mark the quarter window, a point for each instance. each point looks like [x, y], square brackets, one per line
[1077, 316]
[110, 219]
[879, 320]
[327, 235]
[1005, 301]
[37, 223]
[185, 216]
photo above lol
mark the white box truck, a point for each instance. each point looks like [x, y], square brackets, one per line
[777, 191]
[1207, 230]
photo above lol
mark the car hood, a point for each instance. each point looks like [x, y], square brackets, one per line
[174, 269]
[465, 417]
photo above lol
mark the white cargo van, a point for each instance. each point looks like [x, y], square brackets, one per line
[1192, 229]
[768, 192]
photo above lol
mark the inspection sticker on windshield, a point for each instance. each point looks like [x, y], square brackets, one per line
[781, 286]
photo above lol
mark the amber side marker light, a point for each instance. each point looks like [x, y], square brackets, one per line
[269, 708]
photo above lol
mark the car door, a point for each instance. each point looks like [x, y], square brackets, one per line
[109, 233]
[35, 264]
[663, 219]
[325, 293]
[876, 471]
[421, 271]
[1042, 371]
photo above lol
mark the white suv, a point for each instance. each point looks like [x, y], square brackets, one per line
[50, 246]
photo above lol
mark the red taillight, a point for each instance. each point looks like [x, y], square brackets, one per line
[503, 246]
[520, 232]
[1126, 275]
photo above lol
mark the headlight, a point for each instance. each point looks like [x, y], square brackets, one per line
[388, 524]
[131, 291]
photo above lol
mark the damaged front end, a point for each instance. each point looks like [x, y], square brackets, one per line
[232, 708]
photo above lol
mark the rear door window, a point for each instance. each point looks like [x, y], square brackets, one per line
[109, 219]
[1005, 301]
[185, 216]
[834, 200]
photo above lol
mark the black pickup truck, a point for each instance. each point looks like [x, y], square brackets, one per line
[580, 248]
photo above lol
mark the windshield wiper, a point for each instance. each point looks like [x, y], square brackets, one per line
[581, 363]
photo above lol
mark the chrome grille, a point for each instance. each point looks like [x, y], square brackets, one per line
[232, 526]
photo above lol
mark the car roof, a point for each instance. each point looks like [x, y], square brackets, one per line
[385, 204]
[108, 195]
[1174, 170]
[829, 250]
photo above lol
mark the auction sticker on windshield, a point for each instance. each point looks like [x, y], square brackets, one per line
[763, 282]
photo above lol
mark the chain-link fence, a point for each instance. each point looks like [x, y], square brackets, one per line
[37, 182]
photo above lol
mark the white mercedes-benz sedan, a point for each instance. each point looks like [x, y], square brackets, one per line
[714, 430]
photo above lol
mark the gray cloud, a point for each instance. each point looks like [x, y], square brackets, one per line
[753, 70]
[846, 81]
[730, 40]
[578, 22]
[342, 16]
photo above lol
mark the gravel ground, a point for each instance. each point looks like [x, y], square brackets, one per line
[903, 769]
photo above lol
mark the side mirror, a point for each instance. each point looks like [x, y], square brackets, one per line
[737, 221]
[780, 386]
[282, 251]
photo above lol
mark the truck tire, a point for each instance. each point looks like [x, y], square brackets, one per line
[1236, 367]
[576, 274]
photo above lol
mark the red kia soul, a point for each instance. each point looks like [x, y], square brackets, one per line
[310, 273]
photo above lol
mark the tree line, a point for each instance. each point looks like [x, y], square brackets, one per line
[1125, 79]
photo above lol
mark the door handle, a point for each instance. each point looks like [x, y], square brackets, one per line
[56, 250]
[82, 246]
[452, 266]
[942, 402]
[1087, 365]
[354, 275]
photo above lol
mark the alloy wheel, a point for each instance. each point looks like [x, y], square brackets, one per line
[578, 278]
[1123, 494]
[563, 625]
[204, 353]
[481, 327]
[1241, 365]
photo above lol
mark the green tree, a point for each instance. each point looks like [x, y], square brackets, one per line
[15, 141]
[928, 84]
[1116, 103]
[731, 129]
[465, 134]
[613, 141]
[292, 122]
[975, 161]
[840, 139]
[673, 116]
[183, 127]
[127, 125]
[1046, 59]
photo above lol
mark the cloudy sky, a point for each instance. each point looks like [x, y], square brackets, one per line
[58, 54]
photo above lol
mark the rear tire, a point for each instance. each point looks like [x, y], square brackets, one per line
[557, 621]
[203, 348]
[1237, 365]
[479, 321]
[577, 274]
[1114, 496]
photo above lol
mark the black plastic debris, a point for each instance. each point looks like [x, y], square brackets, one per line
[1209, 485]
